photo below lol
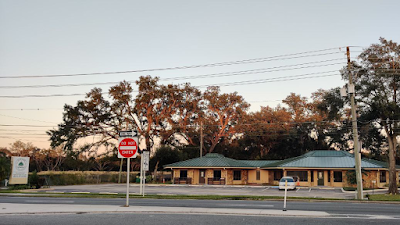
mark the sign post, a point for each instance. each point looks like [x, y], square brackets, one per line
[284, 200]
[146, 158]
[127, 148]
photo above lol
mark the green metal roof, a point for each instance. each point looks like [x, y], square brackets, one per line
[326, 159]
[312, 159]
[259, 163]
[209, 160]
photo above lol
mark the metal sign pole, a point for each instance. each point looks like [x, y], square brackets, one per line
[128, 165]
[284, 200]
[141, 174]
[144, 181]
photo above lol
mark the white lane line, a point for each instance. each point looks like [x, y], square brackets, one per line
[244, 205]
[55, 192]
[108, 193]
[49, 201]
[80, 192]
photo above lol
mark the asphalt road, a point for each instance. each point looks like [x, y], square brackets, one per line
[179, 219]
[314, 192]
[342, 209]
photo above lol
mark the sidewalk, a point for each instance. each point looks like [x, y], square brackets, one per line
[11, 208]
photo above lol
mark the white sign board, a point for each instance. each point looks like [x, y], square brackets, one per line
[128, 133]
[19, 170]
[146, 159]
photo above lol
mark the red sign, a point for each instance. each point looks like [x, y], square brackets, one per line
[127, 148]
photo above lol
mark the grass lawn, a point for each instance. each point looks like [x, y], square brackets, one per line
[384, 197]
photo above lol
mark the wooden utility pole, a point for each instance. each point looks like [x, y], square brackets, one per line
[201, 139]
[357, 149]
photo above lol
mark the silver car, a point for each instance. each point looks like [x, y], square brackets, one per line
[291, 184]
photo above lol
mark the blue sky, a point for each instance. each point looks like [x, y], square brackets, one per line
[85, 36]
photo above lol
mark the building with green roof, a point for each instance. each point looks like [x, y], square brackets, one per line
[315, 168]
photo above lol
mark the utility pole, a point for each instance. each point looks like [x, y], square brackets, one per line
[357, 150]
[201, 139]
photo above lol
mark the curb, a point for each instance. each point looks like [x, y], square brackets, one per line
[366, 191]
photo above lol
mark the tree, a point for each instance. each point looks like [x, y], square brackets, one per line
[376, 82]
[92, 117]
[5, 165]
[221, 114]
[263, 129]
[19, 148]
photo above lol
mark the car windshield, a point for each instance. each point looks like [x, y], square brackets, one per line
[287, 179]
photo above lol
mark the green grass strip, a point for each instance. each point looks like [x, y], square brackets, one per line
[384, 197]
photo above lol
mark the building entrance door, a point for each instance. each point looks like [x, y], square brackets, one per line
[321, 178]
[202, 177]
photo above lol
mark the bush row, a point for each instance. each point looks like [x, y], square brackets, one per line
[85, 177]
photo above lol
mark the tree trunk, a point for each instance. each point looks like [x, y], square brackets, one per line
[155, 170]
[212, 146]
[392, 165]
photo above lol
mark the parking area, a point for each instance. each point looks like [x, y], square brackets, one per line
[313, 192]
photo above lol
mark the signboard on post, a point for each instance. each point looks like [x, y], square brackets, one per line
[146, 158]
[127, 147]
[19, 170]
[128, 133]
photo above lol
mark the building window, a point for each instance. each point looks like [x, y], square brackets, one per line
[217, 174]
[278, 174]
[312, 176]
[302, 175]
[258, 175]
[237, 175]
[183, 174]
[337, 176]
[382, 176]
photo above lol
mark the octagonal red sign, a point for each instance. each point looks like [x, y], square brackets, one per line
[127, 148]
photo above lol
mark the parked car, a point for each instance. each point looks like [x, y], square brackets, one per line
[291, 184]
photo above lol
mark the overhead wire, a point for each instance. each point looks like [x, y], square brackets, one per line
[246, 82]
[224, 74]
[255, 60]
[28, 119]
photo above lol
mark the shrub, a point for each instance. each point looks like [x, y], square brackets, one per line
[83, 177]
[18, 187]
[33, 179]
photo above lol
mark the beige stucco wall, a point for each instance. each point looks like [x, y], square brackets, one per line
[264, 177]
[267, 177]
[195, 179]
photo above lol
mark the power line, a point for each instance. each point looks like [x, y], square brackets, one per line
[22, 125]
[28, 119]
[255, 60]
[224, 74]
[247, 82]
[31, 109]
[265, 81]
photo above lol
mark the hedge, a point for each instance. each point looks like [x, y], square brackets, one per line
[84, 177]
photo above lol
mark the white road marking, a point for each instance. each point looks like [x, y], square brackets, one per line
[49, 201]
[80, 192]
[309, 190]
[244, 205]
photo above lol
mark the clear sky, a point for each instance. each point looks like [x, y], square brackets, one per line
[47, 37]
